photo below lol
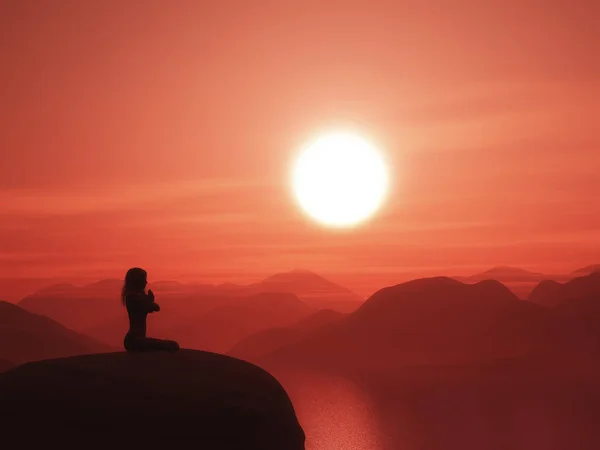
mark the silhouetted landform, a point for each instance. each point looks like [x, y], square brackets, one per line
[95, 309]
[75, 307]
[178, 307]
[61, 288]
[5, 365]
[508, 274]
[586, 270]
[521, 281]
[319, 319]
[168, 286]
[312, 289]
[91, 309]
[29, 337]
[186, 399]
[210, 320]
[267, 341]
[309, 287]
[518, 280]
[552, 293]
[97, 305]
[441, 321]
[210, 323]
[14, 289]
[220, 329]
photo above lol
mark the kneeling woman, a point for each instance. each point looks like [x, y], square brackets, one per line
[138, 305]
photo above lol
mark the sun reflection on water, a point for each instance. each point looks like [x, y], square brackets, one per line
[334, 413]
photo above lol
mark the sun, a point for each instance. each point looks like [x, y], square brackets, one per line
[340, 179]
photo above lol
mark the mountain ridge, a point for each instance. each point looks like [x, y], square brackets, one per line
[435, 320]
[551, 293]
[25, 336]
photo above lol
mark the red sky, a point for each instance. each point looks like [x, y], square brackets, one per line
[160, 134]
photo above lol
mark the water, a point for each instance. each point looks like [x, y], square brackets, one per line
[334, 412]
[441, 411]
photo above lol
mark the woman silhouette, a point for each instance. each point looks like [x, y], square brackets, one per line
[138, 305]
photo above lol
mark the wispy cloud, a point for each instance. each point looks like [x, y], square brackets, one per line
[113, 197]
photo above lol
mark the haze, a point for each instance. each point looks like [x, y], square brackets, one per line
[136, 131]
[147, 207]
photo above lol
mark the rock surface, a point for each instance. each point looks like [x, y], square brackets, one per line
[186, 398]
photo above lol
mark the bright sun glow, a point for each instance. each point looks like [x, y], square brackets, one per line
[340, 180]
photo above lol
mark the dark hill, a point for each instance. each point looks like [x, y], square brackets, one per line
[178, 308]
[95, 309]
[187, 399]
[264, 342]
[208, 322]
[76, 307]
[552, 293]
[220, 329]
[426, 321]
[437, 305]
[587, 270]
[28, 337]
[320, 318]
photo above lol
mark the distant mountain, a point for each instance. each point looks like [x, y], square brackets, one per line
[14, 289]
[208, 322]
[318, 319]
[552, 293]
[312, 289]
[425, 321]
[586, 270]
[220, 329]
[518, 280]
[113, 330]
[305, 284]
[96, 307]
[96, 310]
[109, 285]
[516, 275]
[28, 337]
[75, 307]
[179, 307]
[153, 399]
[506, 274]
[168, 286]
[264, 342]
[62, 288]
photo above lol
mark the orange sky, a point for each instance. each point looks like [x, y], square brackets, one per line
[160, 134]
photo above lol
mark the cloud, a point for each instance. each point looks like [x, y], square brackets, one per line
[113, 197]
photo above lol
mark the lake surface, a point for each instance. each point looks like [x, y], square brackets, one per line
[334, 412]
[438, 410]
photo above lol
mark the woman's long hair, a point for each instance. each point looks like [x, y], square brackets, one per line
[135, 281]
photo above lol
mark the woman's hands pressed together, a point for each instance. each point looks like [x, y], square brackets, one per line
[153, 306]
